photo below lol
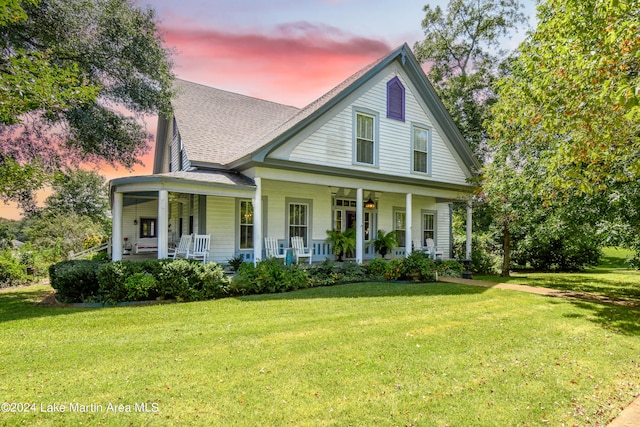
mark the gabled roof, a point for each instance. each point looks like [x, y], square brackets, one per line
[216, 126]
[224, 129]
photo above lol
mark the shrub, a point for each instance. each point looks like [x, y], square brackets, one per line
[322, 274]
[139, 287]
[75, 281]
[269, 276]
[394, 269]
[188, 280]
[449, 268]
[418, 265]
[12, 271]
[376, 269]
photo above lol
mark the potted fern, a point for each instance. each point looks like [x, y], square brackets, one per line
[342, 244]
[384, 242]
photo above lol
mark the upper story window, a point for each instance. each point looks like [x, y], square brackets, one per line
[421, 147]
[395, 99]
[365, 138]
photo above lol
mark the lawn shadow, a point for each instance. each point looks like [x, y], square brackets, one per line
[370, 290]
[27, 303]
[620, 319]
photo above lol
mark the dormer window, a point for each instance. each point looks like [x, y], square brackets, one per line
[395, 99]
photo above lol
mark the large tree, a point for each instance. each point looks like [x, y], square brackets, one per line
[462, 52]
[566, 122]
[74, 76]
[571, 102]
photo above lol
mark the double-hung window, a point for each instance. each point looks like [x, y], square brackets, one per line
[299, 221]
[400, 227]
[428, 227]
[421, 148]
[246, 224]
[365, 135]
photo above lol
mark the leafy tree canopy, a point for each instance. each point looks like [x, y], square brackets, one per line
[68, 70]
[80, 191]
[571, 105]
[462, 49]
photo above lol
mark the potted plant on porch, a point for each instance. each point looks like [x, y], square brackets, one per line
[384, 242]
[342, 244]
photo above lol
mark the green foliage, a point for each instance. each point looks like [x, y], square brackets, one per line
[342, 244]
[76, 66]
[461, 49]
[140, 286]
[75, 281]
[63, 232]
[449, 268]
[376, 269]
[384, 242]
[81, 192]
[235, 262]
[570, 106]
[269, 276]
[112, 282]
[12, 270]
[188, 280]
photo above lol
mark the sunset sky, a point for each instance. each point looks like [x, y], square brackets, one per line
[286, 51]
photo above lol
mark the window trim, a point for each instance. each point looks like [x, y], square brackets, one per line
[376, 132]
[153, 227]
[287, 220]
[241, 224]
[435, 226]
[400, 236]
[429, 154]
[395, 82]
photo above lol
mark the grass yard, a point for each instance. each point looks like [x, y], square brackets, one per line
[362, 354]
[612, 278]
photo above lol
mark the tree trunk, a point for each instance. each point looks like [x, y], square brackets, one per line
[506, 250]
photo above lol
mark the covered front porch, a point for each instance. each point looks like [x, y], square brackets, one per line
[151, 213]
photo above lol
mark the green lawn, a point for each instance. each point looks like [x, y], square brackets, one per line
[361, 354]
[612, 278]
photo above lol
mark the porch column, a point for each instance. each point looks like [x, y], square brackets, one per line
[409, 224]
[163, 224]
[469, 222]
[257, 221]
[359, 225]
[116, 227]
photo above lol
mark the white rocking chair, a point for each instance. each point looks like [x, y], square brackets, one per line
[201, 246]
[299, 251]
[182, 251]
[433, 251]
[272, 248]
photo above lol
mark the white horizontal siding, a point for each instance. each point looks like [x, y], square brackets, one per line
[221, 224]
[331, 143]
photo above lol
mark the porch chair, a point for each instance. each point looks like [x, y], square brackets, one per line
[433, 251]
[272, 250]
[182, 251]
[297, 243]
[201, 246]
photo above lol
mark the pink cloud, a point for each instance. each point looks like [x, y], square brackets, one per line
[294, 64]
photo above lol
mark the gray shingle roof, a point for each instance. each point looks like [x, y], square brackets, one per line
[216, 126]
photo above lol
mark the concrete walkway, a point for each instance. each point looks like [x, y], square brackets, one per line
[630, 417]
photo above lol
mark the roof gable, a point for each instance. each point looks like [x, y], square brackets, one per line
[225, 129]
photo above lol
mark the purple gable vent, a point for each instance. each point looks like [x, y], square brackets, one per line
[395, 99]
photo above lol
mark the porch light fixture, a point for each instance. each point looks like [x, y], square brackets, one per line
[135, 222]
[369, 204]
